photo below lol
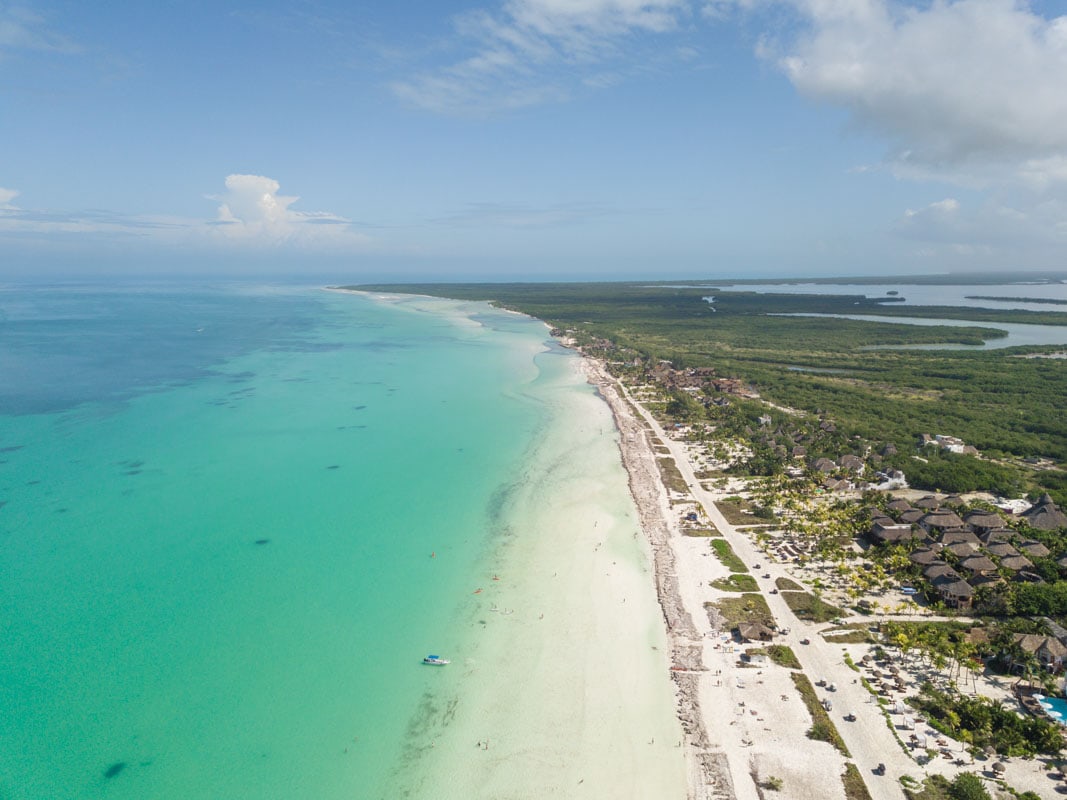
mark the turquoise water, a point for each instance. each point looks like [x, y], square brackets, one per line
[232, 522]
[1058, 705]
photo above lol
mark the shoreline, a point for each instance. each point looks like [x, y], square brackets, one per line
[745, 727]
[557, 684]
[748, 728]
[708, 773]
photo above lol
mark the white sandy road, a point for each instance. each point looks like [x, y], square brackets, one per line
[868, 738]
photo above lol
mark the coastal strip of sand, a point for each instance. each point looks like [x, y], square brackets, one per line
[746, 725]
[559, 683]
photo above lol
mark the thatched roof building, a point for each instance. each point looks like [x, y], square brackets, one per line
[941, 520]
[983, 521]
[1046, 515]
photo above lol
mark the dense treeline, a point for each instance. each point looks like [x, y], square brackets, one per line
[953, 473]
[1010, 408]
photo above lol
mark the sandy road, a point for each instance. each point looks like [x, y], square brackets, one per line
[868, 738]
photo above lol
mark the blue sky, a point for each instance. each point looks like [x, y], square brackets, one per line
[525, 139]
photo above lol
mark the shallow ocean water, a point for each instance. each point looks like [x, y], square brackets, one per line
[232, 522]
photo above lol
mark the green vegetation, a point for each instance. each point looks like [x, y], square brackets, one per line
[701, 532]
[983, 722]
[809, 607]
[855, 788]
[746, 608]
[1006, 407]
[965, 786]
[727, 556]
[738, 511]
[736, 583]
[822, 727]
[773, 784]
[783, 656]
[786, 585]
[850, 634]
[672, 478]
[1051, 301]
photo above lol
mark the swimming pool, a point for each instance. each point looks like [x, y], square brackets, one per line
[1056, 706]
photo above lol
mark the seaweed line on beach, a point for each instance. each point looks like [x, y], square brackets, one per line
[646, 488]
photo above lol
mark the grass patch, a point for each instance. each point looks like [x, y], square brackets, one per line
[737, 511]
[736, 583]
[934, 787]
[704, 532]
[671, 477]
[809, 607]
[822, 727]
[783, 656]
[855, 788]
[849, 636]
[745, 608]
[786, 585]
[727, 556]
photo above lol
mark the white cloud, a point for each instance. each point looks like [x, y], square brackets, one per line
[535, 51]
[252, 211]
[252, 214]
[1002, 235]
[963, 89]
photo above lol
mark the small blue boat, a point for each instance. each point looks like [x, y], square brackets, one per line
[436, 661]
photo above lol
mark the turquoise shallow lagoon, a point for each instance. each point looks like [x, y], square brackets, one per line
[232, 521]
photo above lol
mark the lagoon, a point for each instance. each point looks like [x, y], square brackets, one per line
[1018, 334]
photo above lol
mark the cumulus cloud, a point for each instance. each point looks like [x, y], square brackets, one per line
[963, 89]
[517, 52]
[252, 213]
[252, 210]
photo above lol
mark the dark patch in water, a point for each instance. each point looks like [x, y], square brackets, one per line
[132, 472]
[3, 503]
[262, 541]
[11, 448]
[132, 464]
[358, 408]
[238, 377]
[32, 483]
[114, 769]
[334, 466]
[62, 510]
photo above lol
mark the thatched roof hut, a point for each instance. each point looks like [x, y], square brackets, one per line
[1046, 515]
[978, 565]
[1034, 549]
[984, 521]
[940, 520]
[1002, 550]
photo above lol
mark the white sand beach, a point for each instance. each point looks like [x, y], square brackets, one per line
[565, 691]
